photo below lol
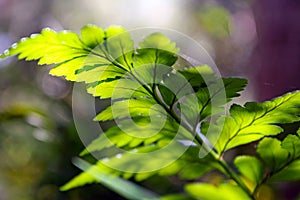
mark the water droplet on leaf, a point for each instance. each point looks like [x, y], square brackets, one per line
[23, 39]
[135, 150]
[119, 155]
[34, 35]
[6, 52]
[14, 45]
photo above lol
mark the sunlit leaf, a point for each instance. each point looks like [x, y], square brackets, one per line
[92, 35]
[143, 131]
[224, 191]
[187, 165]
[250, 167]
[160, 42]
[131, 108]
[212, 92]
[72, 53]
[281, 158]
[176, 197]
[271, 152]
[256, 120]
[123, 187]
[289, 173]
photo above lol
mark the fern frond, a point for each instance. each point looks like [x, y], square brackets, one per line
[257, 120]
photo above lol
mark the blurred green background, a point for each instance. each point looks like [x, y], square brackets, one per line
[259, 40]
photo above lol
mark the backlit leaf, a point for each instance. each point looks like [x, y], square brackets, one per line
[250, 167]
[281, 158]
[224, 191]
[257, 120]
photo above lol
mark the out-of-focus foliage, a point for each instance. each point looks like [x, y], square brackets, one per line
[216, 20]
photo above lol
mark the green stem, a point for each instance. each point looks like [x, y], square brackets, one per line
[226, 168]
[235, 177]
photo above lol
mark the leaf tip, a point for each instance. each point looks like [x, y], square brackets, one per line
[84, 152]
[5, 54]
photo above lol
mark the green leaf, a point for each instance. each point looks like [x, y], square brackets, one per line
[117, 88]
[212, 92]
[217, 93]
[92, 35]
[131, 108]
[289, 173]
[160, 42]
[128, 163]
[49, 47]
[281, 158]
[176, 197]
[154, 51]
[194, 171]
[271, 152]
[172, 169]
[148, 67]
[256, 120]
[80, 180]
[250, 167]
[224, 191]
[123, 187]
[233, 86]
[133, 135]
[118, 46]
[198, 76]
[292, 144]
[97, 72]
[73, 54]
[188, 166]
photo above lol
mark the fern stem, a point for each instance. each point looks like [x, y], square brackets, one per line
[235, 177]
[226, 167]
